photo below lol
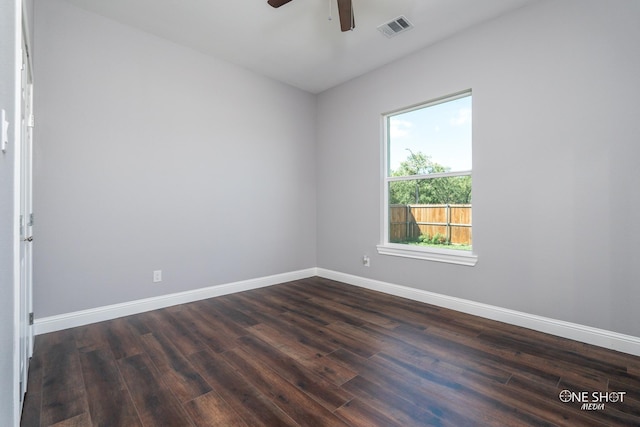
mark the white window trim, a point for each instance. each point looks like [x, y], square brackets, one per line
[429, 176]
[450, 256]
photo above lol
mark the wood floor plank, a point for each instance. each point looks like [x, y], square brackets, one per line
[412, 349]
[154, 401]
[57, 337]
[31, 409]
[435, 388]
[375, 341]
[443, 397]
[82, 420]
[213, 325]
[356, 413]
[308, 357]
[165, 322]
[208, 330]
[295, 403]
[217, 319]
[360, 311]
[121, 338]
[580, 380]
[438, 391]
[475, 388]
[592, 373]
[317, 343]
[346, 358]
[91, 337]
[63, 389]
[176, 371]
[320, 352]
[109, 400]
[630, 386]
[335, 338]
[61, 404]
[137, 324]
[254, 408]
[221, 305]
[463, 349]
[399, 409]
[256, 305]
[548, 410]
[318, 310]
[279, 303]
[324, 392]
[211, 410]
[330, 290]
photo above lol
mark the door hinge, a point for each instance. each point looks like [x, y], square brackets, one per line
[30, 220]
[32, 121]
[31, 318]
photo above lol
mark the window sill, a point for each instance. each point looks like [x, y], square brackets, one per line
[429, 254]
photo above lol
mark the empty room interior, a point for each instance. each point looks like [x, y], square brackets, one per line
[259, 213]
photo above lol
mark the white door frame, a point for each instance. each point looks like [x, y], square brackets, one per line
[26, 215]
[23, 330]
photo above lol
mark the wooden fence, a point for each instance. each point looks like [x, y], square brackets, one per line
[408, 222]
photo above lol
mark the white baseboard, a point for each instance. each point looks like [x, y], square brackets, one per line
[586, 334]
[99, 314]
[600, 337]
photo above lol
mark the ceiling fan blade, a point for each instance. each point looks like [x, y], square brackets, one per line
[278, 3]
[345, 10]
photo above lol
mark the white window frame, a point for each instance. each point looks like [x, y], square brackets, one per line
[451, 256]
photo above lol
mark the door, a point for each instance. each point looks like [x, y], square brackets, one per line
[26, 218]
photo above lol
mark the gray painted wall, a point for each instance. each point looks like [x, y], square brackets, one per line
[556, 145]
[7, 165]
[152, 156]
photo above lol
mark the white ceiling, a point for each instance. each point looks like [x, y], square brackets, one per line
[297, 43]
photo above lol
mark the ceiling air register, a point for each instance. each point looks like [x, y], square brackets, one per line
[395, 27]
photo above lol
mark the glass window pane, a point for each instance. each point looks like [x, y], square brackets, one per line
[431, 212]
[431, 139]
[454, 189]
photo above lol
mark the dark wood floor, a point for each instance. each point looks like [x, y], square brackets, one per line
[320, 353]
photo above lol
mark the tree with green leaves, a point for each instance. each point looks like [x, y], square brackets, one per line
[443, 190]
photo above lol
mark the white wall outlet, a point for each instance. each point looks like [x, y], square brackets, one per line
[157, 276]
[366, 261]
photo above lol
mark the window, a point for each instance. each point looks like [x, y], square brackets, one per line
[428, 181]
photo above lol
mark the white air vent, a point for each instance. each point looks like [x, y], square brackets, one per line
[395, 27]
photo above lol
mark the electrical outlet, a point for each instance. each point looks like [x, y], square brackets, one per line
[157, 276]
[366, 261]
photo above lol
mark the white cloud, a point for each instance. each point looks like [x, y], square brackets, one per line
[464, 117]
[399, 128]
